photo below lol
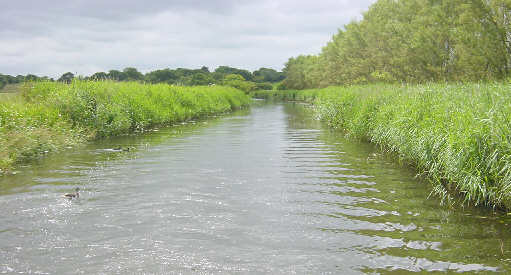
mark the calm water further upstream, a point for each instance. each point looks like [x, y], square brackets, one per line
[266, 190]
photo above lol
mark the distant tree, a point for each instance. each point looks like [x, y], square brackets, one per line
[205, 69]
[116, 75]
[99, 76]
[218, 77]
[20, 78]
[161, 76]
[8, 79]
[201, 79]
[268, 75]
[133, 74]
[66, 78]
[237, 81]
[226, 70]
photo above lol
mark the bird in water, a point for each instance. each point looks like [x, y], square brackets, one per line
[75, 195]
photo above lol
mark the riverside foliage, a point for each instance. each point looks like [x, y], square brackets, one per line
[50, 115]
[412, 41]
[457, 135]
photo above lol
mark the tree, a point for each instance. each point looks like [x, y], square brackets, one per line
[66, 78]
[226, 70]
[201, 79]
[132, 74]
[116, 75]
[31, 77]
[205, 69]
[412, 41]
[99, 76]
[268, 75]
[162, 76]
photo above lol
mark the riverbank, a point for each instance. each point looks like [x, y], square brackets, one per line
[49, 116]
[457, 135]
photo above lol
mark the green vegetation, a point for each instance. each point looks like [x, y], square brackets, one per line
[412, 41]
[223, 75]
[263, 79]
[457, 135]
[48, 116]
[5, 80]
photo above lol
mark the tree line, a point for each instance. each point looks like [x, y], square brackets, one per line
[9, 79]
[263, 78]
[412, 41]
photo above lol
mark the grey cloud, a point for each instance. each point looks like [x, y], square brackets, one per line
[49, 38]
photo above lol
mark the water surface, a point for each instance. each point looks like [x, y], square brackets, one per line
[266, 190]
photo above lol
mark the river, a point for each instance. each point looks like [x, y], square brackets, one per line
[265, 190]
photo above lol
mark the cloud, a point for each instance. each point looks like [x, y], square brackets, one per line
[53, 37]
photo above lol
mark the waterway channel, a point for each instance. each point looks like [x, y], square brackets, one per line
[265, 190]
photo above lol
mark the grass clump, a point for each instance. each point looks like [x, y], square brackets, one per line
[458, 135]
[48, 116]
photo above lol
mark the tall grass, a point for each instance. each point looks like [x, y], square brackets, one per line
[457, 135]
[50, 115]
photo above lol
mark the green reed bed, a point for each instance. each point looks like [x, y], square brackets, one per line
[457, 135]
[49, 116]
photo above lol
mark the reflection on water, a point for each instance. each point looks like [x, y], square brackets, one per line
[261, 191]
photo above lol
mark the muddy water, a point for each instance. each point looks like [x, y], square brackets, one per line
[266, 190]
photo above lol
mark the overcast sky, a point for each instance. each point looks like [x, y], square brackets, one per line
[87, 36]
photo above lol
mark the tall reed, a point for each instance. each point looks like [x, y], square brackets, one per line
[53, 115]
[457, 135]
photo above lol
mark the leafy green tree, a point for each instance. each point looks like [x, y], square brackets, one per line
[226, 70]
[201, 79]
[99, 76]
[19, 79]
[302, 72]
[132, 74]
[162, 76]
[412, 41]
[116, 75]
[31, 77]
[268, 75]
[66, 78]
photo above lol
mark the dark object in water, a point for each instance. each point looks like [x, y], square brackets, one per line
[72, 195]
[120, 148]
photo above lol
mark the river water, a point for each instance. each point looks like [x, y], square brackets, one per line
[265, 190]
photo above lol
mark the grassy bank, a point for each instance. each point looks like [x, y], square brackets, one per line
[458, 136]
[48, 116]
